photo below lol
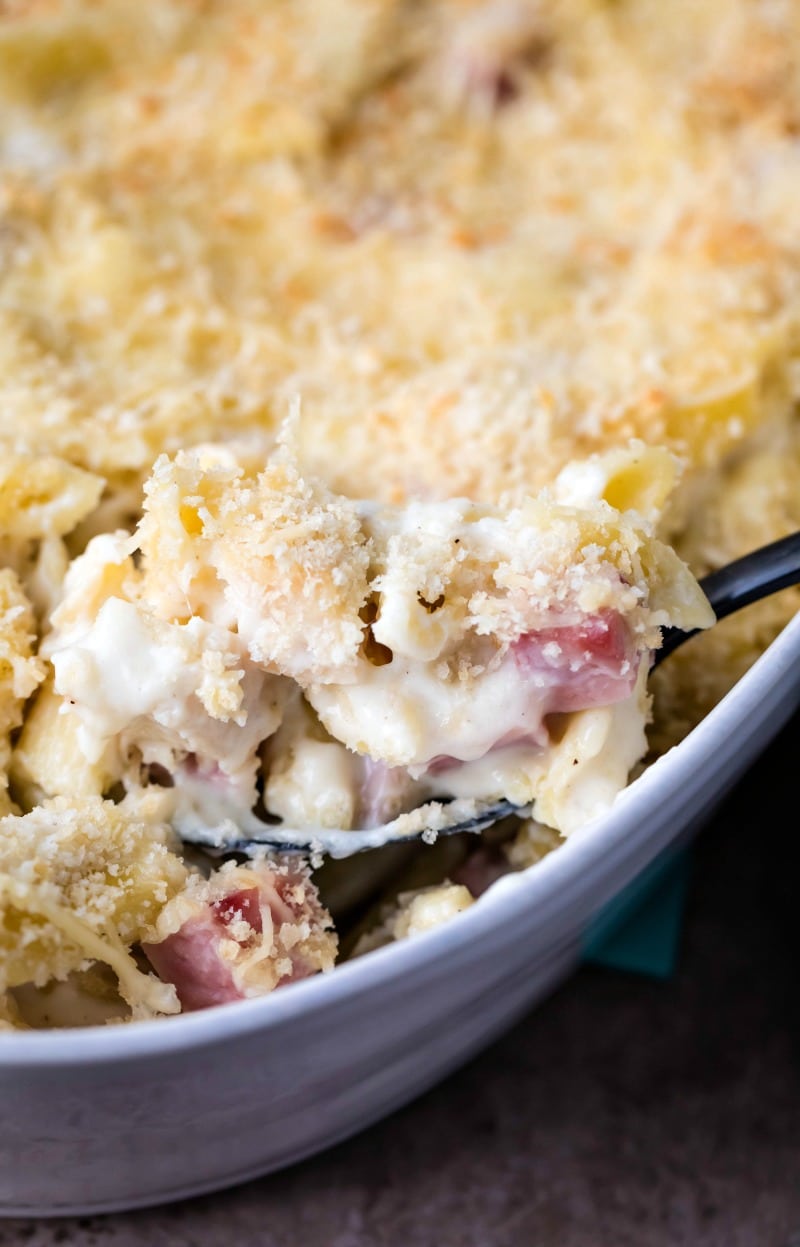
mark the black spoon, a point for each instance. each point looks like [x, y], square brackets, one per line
[756, 576]
[749, 579]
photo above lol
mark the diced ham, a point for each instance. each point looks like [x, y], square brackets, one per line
[217, 954]
[481, 869]
[442, 762]
[384, 792]
[241, 906]
[208, 771]
[591, 663]
[560, 669]
[191, 960]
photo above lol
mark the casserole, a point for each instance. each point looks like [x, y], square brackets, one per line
[110, 1118]
[480, 261]
[259, 262]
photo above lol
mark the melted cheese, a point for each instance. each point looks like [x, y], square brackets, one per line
[465, 242]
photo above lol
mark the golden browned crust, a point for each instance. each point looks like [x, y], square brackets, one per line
[20, 670]
[77, 876]
[477, 240]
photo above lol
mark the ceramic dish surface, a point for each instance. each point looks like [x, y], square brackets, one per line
[108, 1118]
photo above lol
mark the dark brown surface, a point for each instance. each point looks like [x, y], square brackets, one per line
[622, 1113]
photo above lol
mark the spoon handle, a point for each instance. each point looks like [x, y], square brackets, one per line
[756, 576]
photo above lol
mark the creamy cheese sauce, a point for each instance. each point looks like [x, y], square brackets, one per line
[405, 716]
[142, 681]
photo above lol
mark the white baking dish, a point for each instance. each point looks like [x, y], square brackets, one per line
[115, 1117]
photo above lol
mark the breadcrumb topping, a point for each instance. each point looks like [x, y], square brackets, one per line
[20, 670]
[543, 257]
[277, 555]
[111, 870]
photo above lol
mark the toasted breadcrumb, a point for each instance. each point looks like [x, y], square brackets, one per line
[20, 670]
[44, 496]
[249, 927]
[416, 607]
[288, 558]
[289, 567]
[584, 214]
[110, 869]
[480, 241]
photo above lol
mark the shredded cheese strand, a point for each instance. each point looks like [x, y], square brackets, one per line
[140, 991]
